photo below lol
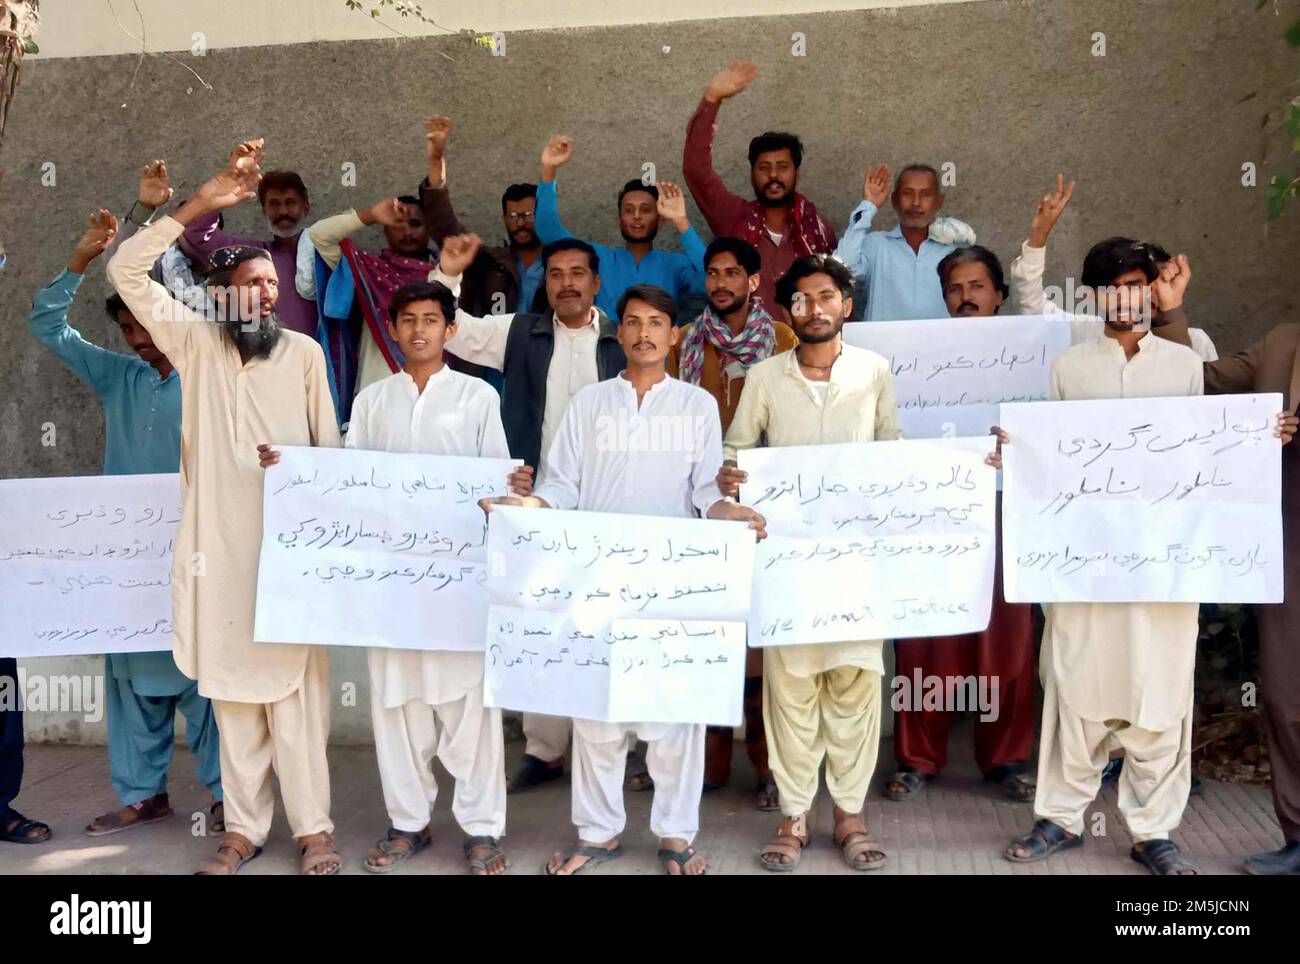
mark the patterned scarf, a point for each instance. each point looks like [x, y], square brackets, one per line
[807, 233]
[377, 277]
[756, 341]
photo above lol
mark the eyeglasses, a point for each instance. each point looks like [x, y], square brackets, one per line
[517, 217]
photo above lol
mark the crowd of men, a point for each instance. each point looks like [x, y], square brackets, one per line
[440, 344]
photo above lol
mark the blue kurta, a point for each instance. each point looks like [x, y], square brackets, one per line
[902, 284]
[675, 272]
[142, 429]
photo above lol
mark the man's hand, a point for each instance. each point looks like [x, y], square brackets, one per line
[520, 480]
[557, 152]
[730, 81]
[99, 235]
[731, 511]
[389, 212]
[1170, 286]
[155, 186]
[875, 184]
[267, 456]
[1287, 426]
[458, 253]
[234, 185]
[522, 502]
[994, 458]
[436, 131]
[729, 480]
[1049, 211]
[672, 206]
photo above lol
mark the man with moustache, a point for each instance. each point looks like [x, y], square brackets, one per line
[590, 476]
[283, 198]
[973, 287]
[820, 701]
[641, 208]
[734, 333]
[780, 222]
[546, 358]
[247, 381]
[898, 266]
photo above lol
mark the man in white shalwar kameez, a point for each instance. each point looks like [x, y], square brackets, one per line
[590, 471]
[427, 704]
[1118, 671]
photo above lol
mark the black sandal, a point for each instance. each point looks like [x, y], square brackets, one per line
[481, 863]
[1016, 784]
[533, 772]
[397, 854]
[20, 832]
[681, 858]
[1044, 840]
[912, 781]
[1162, 858]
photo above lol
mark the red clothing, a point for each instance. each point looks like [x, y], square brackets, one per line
[1004, 650]
[729, 214]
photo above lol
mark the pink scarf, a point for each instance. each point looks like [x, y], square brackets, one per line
[755, 342]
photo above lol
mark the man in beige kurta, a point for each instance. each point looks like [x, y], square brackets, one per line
[271, 700]
[820, 701]
[1117, 670]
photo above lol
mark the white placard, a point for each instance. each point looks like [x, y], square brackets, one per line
[1143, 500]
[951, 374]
[618, 618]
[383, 549]
[85, 564]
[877, 540]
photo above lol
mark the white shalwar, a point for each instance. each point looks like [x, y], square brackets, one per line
[1119, 673]
[427, 704]
[661, 458]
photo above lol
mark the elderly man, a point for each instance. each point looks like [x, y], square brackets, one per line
[248, 380]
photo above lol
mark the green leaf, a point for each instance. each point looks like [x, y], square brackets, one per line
[1293, 34]
[29, 47]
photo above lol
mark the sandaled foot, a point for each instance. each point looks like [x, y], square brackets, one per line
[579, 859]
[1283, 862]
[1040, 843]
[397, 846]
[784, 851]
[485, 857]
[217, 821]
[15, 828]
[906, 784]
[233, 852]
[1162, 858]
[680, 859]
[637, 775]
[534, 771]
[1015, 782]
[136, 815]
[858, 849]
[766, 797]
[320, 855]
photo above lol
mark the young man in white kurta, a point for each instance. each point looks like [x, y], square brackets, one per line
[430, 703]
[604, 459]
[1120, 671]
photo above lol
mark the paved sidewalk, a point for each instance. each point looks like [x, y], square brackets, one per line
[957, 826]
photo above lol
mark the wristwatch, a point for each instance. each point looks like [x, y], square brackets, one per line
[130, 215]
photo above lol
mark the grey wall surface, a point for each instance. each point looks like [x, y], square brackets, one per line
[1156, 132]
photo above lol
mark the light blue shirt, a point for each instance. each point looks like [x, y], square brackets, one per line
[902, 284]
[675, 272]
[142, 435]
[530, 279]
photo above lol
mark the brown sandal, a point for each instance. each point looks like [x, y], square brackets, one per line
[853, 840]
[318, 849]
[791, 837]
[233, 852]
[115, 821]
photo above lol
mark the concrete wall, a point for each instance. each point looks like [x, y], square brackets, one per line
[1009, 91]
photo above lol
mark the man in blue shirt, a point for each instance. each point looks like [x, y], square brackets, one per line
[641, 207]
[141, 396]
[899, 267]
